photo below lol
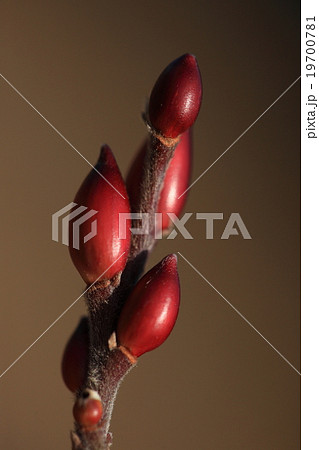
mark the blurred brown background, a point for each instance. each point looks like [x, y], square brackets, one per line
[88, 68]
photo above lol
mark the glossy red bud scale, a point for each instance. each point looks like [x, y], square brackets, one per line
[75, 357]
[87, 410]
[103, 191]
[150, 312]
[176, 97]
[176, 179]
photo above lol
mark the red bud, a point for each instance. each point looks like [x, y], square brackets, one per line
[103, 191]
[176, 97]
[76, 356]
[87, 410]
[176, 180]
[150, 312]
[175, 183]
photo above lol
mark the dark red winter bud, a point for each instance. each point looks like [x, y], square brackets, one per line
[176, 97]
[176, 180]
[150, 312]
[104, 191]
[76, 356]
[87, 410]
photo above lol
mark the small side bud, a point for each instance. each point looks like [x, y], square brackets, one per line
[87, 410]
[150, 312]
[76, 357]
[176, 97]
[103, 191]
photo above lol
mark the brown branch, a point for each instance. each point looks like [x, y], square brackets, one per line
[105, 299]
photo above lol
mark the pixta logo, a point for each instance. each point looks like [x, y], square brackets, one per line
[75, 225]
[144, 222]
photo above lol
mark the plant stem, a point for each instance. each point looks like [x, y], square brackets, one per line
[111, 373]
[108, 367]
